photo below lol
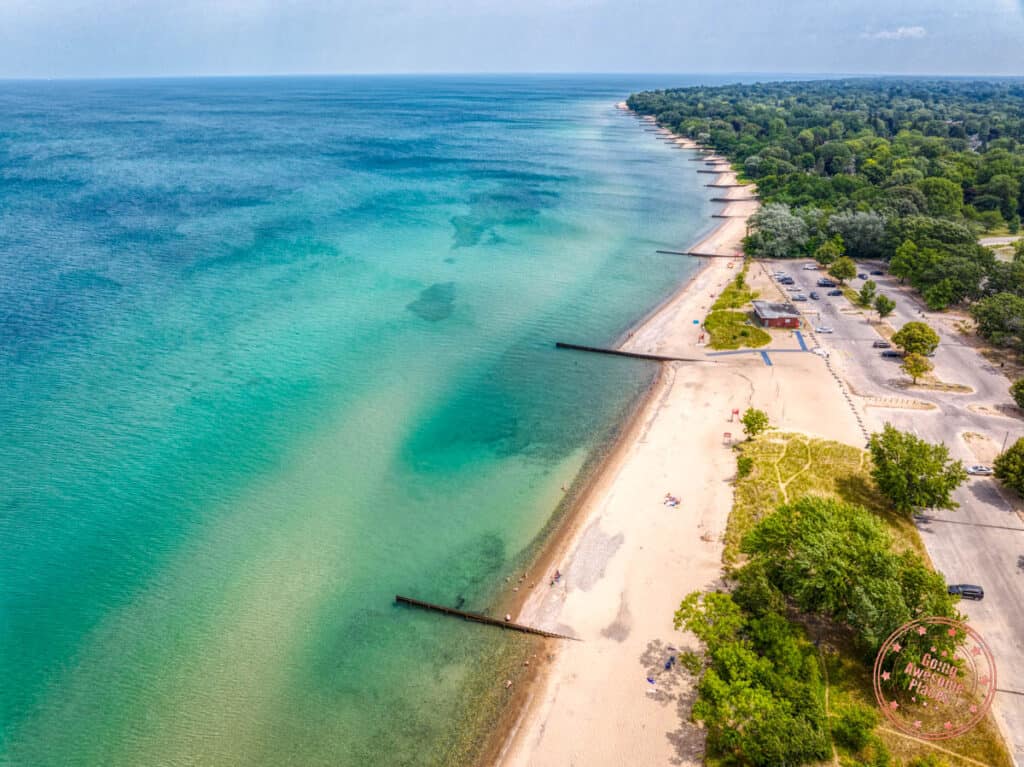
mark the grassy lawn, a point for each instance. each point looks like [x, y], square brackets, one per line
[787, 467]
[731, 329]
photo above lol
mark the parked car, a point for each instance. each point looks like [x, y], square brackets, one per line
[814, 295]
[824, 329]
[799, 297]
[877, 272]
[966, 590]
[787, 280]
[892, 353]
[862, 276]
[835, 292]
[881, 345]
[980, 471]
[824, 282]
[819, 351]
[810, 267]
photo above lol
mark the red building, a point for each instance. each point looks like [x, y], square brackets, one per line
[776, 315]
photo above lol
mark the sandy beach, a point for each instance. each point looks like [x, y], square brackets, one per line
[627, 559]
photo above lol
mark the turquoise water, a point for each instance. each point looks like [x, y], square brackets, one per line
[275, 350]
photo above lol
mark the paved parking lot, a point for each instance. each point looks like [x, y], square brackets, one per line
[983, 541]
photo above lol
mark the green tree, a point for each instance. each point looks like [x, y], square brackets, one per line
[829, 251]
[1017, 391]
[836, 559]
[713, 618]
[904, 262]
[944, 197]
[884, 306]
[915, 366]
[916, 338]
[866, 297]
[843, 269]
[754, 422]
[778, 233]
[1000, 318]
[1009, 466]
[863, 232]
[912, 473]
[940, 295]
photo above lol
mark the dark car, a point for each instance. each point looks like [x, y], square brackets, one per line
[787, 281]
[877, 272]
[881, 344]
[824, 282]
[966, 591]
[835, 292]
[892, 353]
[862, 276]
[814, 295]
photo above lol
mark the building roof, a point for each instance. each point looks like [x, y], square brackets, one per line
[769, 311]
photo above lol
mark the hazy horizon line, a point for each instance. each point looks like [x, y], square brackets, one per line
[554, 73]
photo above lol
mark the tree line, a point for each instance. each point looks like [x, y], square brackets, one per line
[910, 172]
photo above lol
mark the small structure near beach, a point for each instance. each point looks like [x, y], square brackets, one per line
[776, 315]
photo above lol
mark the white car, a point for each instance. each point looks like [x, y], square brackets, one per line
[823, 329]
[819, 351]
[810, 267]
[980, 471]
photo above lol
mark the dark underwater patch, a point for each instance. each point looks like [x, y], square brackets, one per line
[435, 303]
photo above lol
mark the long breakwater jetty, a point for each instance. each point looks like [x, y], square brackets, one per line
[620, 353]
[693, 253]
[478, 618]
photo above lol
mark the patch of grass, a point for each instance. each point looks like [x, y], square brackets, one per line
[851, 295]
[785, 467]
[730, 329]
[733, 330]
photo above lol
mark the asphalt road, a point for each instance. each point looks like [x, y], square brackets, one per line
[983, 541]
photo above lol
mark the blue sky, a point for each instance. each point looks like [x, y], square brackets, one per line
[86, 38]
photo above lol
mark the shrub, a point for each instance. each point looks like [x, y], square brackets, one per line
[754, 422]
[744, 465]
[853, 725]
[1009, 466]
[1017, 391]
[691, 661]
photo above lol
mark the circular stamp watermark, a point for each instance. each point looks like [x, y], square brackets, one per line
[934, 678]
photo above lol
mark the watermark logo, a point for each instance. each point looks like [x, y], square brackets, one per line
[934, 678]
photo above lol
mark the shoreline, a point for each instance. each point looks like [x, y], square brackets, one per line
[523, 704]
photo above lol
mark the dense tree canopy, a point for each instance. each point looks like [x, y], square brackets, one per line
[907, 171]
[760, 697]
[837, 560]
